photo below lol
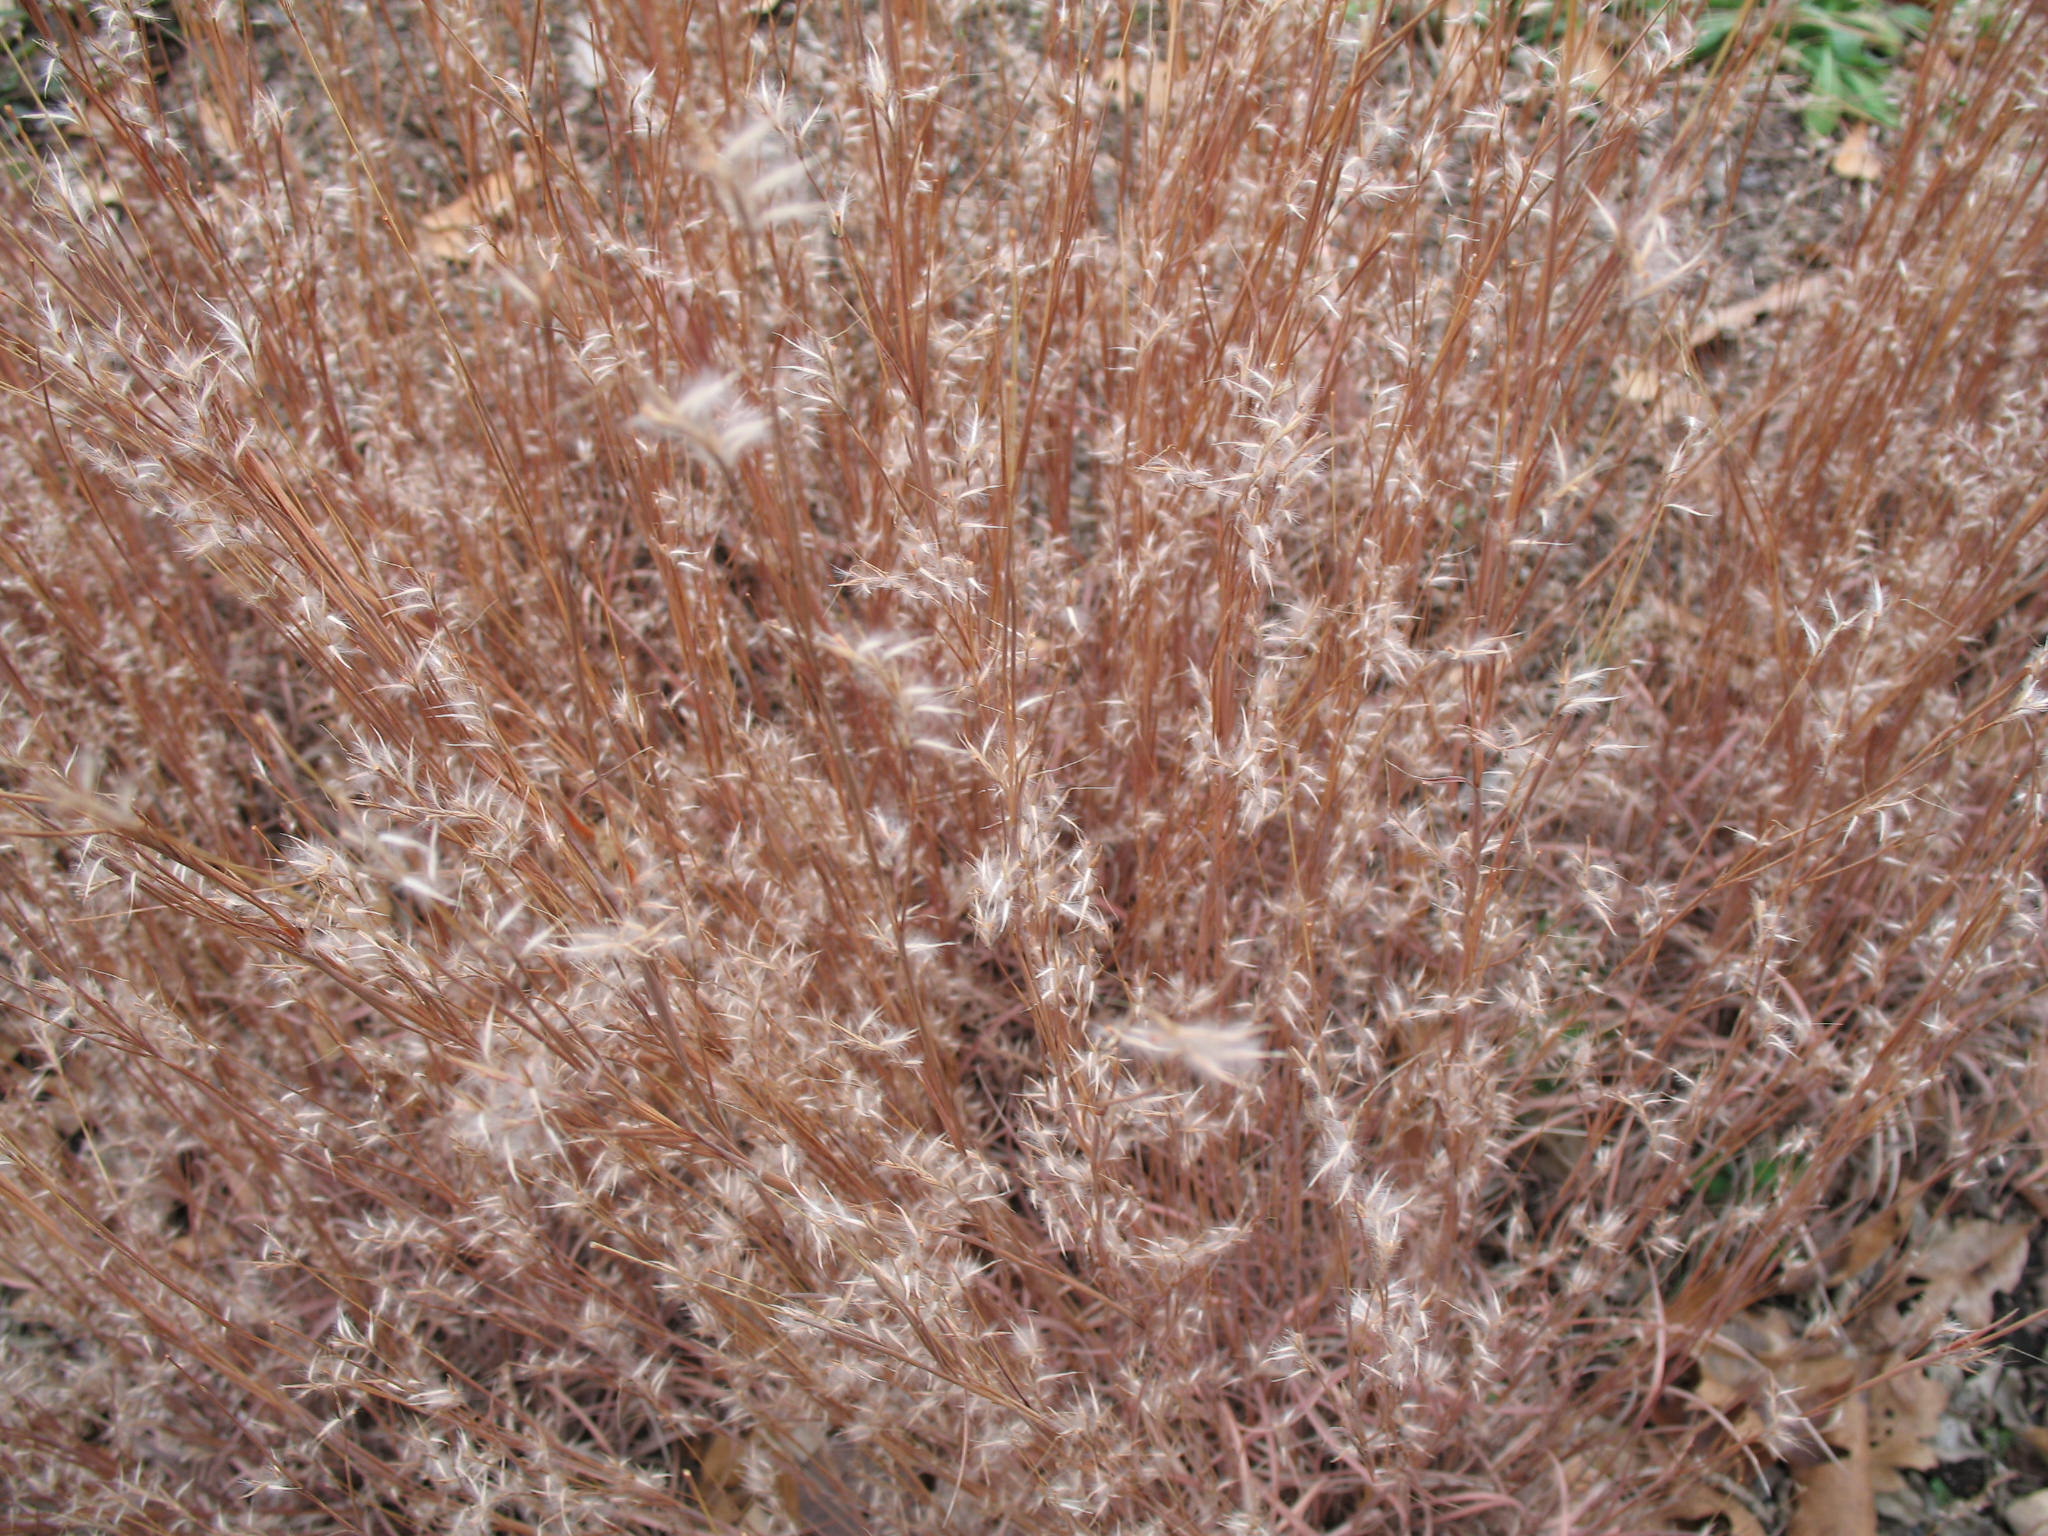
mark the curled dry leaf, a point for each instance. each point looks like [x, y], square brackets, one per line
[1133, 79]
[1781, 298]
[716, 1481]
[1855, 159]
[1847, 1428]
[448, 233]
[1871, 1239]
[218, 129]
[1638, 382]
[1664, 397]
[1851, 1255]
[1587, 62]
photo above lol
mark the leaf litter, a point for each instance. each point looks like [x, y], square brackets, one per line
[1867, 1388]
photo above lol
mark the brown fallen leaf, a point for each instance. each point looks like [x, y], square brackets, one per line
[1680, 403]
[1835, 1497]
[1586, 62]
[217, 129]
[1638, 382]
[448, 232]
[1905, 1409]
[1702, 1503]
[1965, 1268]
[1871, 1239]
[1140, 80]
[2035, 1438]
[1738, 1363]
[1781, 298]
[1885, 1328]
[1855, 159]
[1708, 1296]
[1769, 1384]
[715, 1484]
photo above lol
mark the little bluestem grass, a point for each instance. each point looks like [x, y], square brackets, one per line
[904, 793]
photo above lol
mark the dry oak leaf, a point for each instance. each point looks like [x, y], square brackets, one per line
[715, 1484]
[1781, 298]
[1637, 382]
[1586, 62]
[1761, 1351]
[1131, 78]
[1836, 1497]
[1871, 1239]
[1738, 1362]
[1965, 1268]
[1768, 1383]
[1850, 1255]
[218, 129]
[1855, 159]
[1706, 1295]
[448, 233]
[1905, 1409]
[1702, 1503]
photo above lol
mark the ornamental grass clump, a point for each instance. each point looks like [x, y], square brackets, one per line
[982, 767]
